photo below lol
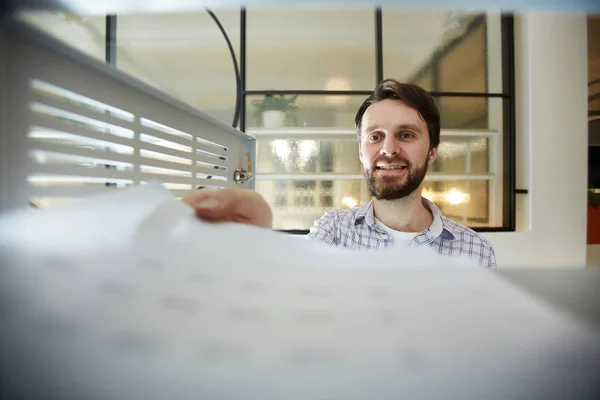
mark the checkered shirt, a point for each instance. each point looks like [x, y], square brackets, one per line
[356, 229]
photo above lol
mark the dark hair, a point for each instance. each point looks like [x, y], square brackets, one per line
[413, 96]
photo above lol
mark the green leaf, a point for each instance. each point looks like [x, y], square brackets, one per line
[277, 103]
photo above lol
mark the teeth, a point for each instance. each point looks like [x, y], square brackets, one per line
[389, 167]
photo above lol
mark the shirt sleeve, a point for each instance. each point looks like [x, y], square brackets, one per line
[324, 229]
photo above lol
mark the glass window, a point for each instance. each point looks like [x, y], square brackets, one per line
[86, 34]
[476, 113]
[297, 204]
[465, 201]
[184, 55]
[443, 51]
[463, 67]
[318, 49]
[308, 111]
[471, 145]
[309, 141]
[307, 162]
[469, 155]
[293, 156]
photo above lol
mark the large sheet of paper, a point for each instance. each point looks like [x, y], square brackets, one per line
[129, 296]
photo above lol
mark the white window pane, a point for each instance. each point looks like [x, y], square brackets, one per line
[311, 48]
[443, 51]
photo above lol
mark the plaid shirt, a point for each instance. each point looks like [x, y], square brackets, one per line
[356, 229]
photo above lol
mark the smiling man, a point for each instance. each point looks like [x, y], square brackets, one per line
[398, 128]
[399, 133]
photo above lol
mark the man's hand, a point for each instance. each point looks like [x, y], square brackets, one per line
[234, 205]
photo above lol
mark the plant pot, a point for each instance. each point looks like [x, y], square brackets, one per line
[273, 119]
[593, 225]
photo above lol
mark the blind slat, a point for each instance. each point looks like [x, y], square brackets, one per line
[106, 173]
[82, 152]
[152, 162]
[71, 191]
[166, 136]
[81, 110]
[165, 150]
[182, 154]
[79, 130]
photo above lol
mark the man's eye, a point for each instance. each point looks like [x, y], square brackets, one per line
[374, 137]
[406, 135]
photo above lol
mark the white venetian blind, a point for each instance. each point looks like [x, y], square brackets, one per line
[80, 127]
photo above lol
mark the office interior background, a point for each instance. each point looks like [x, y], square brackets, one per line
[517, 96]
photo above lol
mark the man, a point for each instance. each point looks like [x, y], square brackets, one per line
[398, 128]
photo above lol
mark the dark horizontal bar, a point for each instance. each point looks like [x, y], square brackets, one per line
[295, 231]
[521, 191]
[493, 229]
[593, 113]
[367, 92]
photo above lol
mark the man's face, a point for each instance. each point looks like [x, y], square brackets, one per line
[394, 149]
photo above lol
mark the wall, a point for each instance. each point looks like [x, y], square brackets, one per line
[551, 69]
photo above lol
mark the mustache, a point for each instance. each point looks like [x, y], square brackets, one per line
[391, 160]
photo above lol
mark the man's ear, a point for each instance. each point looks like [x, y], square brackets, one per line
[433, 153]
[360, 150]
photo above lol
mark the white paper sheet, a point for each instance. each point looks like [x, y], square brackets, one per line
[129, 296]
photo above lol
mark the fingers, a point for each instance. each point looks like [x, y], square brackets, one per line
[209, 204]
[206, 199]
[214, 206]
[236, 205]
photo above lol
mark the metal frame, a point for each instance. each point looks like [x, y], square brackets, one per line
[111, 40]
[242, 94]
[379, 44]
[238, 79]
[509, 123]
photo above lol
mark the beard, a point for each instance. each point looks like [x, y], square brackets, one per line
[391, 187]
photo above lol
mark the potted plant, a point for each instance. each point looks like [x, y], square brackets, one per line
[593, 216]
[272, 110]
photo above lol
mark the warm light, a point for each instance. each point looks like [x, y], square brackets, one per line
[428, 194]
[455, 196]
[337, 84]
[282, 149]
[349, 202]
[306, 149]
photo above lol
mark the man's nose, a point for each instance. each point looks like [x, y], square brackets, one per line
[390, 147]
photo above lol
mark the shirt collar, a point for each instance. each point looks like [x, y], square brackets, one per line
[365, 214]
[439, 227]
